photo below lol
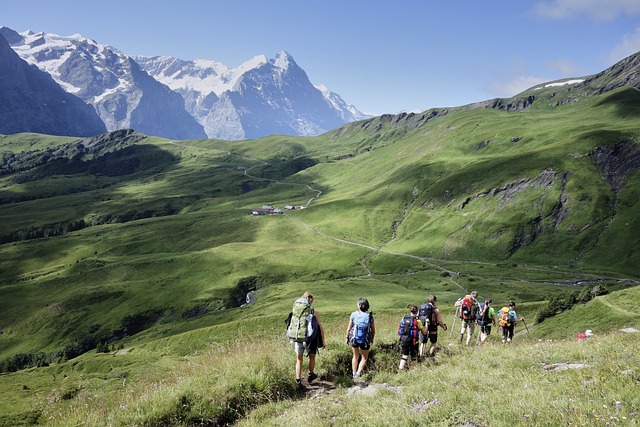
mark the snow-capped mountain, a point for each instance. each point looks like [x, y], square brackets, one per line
[30, 101]
[260, 97]
[123, 95]
[180, 99]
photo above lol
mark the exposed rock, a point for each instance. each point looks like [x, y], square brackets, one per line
[556, 367]
[371, 389]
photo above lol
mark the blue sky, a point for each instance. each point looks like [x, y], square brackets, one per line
[381, 56]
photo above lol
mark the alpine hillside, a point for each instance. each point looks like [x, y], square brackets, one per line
[136, 271]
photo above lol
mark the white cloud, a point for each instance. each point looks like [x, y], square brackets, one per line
[513, 86]
[630, 44]
[565, 68]
[605, 10]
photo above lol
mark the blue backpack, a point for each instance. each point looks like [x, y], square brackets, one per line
[361, 329]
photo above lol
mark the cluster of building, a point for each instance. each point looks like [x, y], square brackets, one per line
[270, 210]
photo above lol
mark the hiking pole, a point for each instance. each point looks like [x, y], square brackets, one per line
[453, 324]
[525, 325]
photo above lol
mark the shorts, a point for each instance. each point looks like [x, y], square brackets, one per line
[432, 337]
[310, 347]
[364, 346]
[486, 329]
[468, 324]
[410, 350]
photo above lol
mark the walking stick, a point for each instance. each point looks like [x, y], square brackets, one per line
[453, 324]
[525, 325]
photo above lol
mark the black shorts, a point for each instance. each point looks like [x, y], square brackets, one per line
[432, 337]
[410, 350]
[365, 346]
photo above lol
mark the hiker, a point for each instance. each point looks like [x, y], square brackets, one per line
[430, 316]
[585, 335]
[468, 307]
[360, 334]
[305, 331]
[486, 317]
[408, 329]
[507, 320]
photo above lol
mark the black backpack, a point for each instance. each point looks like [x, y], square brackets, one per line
[408, 330]
[482, 315]
[425, 314]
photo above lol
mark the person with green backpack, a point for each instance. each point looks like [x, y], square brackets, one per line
[304, 330]
[360, 334]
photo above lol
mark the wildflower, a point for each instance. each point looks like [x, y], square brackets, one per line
[618, 404]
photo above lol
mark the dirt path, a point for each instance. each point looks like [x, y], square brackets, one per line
[603, 300]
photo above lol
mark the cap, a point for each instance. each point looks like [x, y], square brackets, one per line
[588, 332]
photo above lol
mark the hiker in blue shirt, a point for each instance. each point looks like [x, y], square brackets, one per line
[360, 333]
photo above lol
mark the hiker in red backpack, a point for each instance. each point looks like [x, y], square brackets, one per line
[468, 307]
[310, 339]
[408, 329]
[434, 319]
[360, 334]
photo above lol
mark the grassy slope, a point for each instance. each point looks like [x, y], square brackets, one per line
[207, 375]
[398, 189]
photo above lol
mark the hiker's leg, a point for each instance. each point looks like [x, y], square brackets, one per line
[299, 347]
[403, 363]
[363, 361]
[432, 348]
[405, 357]
[470, 328]
[463, 328]
[299, 366]
[354, 359]
[312, 362]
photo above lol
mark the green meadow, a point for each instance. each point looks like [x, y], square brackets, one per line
[126, 262]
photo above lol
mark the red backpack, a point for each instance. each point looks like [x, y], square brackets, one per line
[467, 309]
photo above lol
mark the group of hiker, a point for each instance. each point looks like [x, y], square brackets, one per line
[417, 330]
[472, 313]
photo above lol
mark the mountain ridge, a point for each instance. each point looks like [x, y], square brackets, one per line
[30, 100]
[180, 99]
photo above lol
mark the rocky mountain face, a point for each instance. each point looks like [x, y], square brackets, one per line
[625, 72]
[123, 95]
[258, 98]
[31, 101]
[179, 99]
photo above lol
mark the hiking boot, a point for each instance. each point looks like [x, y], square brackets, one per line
[312, 376]
[298, 385]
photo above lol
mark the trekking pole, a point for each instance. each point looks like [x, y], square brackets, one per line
[525, 325]
[453, 324]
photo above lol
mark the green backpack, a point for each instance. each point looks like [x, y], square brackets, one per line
[299, 329]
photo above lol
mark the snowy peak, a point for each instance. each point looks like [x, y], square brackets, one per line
[283, 60]
[186, 99]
